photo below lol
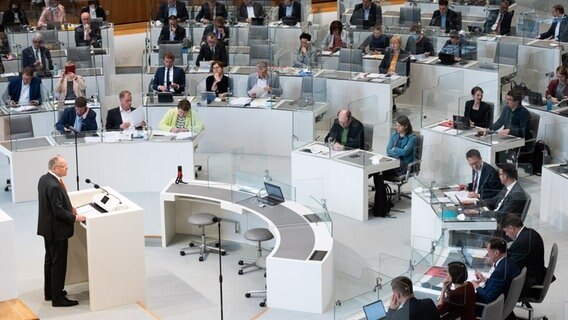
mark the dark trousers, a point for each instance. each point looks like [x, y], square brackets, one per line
[54, 269]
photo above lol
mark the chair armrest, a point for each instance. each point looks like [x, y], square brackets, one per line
[411, 168]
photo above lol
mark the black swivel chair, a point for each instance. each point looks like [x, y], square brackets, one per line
[521, 154]
[412, 171]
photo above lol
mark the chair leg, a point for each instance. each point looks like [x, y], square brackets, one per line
[251, 263]
[204, 247]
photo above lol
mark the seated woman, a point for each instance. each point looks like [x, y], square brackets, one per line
[337, 38]
[306, 53]
[558, 88]
[52, 14]
[95, 10]
[457, 300]
[376, 42]
[476, 110]
[401, 146]
[218, 81]
[70, 84]
[181, 119]
[396, 61]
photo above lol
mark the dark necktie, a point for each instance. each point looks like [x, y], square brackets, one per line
[212, 52]
[37, 55]
[167, 76]
[474, 185]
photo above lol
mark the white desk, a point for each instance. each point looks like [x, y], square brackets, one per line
[553, 201]
[293, 280]
[343, 177]
[8, 278]
[108, 252]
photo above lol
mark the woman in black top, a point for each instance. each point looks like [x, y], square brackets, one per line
[218, 81]
[477, 110]
[93, 7]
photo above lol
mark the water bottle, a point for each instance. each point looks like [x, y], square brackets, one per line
[55, 69]
[548, 103]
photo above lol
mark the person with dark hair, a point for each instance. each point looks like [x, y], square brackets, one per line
[218, 81]
[514, 119]
[172, 32]
[559, 29]
[212, 50]
[367, 13]
[457, 300]
[445, 18]
[376, 42]
[499, 22]
[78, 118]
[250, 9]
[88, 34]
[290, 8]
[558, 88]
[485, 179]
[181, 119]
[337, 38]
[476, 110]
[455, 46]
[395, 61]
[219, 29]
[209, 10]
[24, 90]
[169, 78]
[14, 16]
[95, 10]
[4, 43]
[401, 145]
[405, 306]
[346, 131]
[306, 54]
[37, 57]
[417, 43]
[170, 8]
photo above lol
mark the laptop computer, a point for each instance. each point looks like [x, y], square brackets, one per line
[471, 261]
[375, 311]
[461, 122]
[257, 21]
[446, 58]
[289, 21]
[208, 96]
[165, 97]
[274, 195]
[486, 63]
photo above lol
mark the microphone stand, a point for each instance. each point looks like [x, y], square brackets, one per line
[75, 132]
[220, 268]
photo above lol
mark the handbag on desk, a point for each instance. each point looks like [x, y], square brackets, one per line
[521, 87]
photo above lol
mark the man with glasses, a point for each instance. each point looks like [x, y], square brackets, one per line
[445, 18]
[37, 57]
[268, 83]
[172, 33]
[485, 178]
[87, 34]
[212, 50]
[169, 78]
[24, 90]
[78, 118]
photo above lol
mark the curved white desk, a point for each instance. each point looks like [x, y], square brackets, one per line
[294, 280]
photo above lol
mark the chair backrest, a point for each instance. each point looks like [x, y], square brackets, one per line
[315, 88]
[415, 170]
[21, 127]
[491, 110]
[81, 56]
[494, 310]
[350, 60]
[526, 207]
[257, 34]
[409, 16]
[175, 49]
[368, 130]
[259, 52]
[507, 53]
[514, 292]
[50, 39]
[534, 124]
[549, 272]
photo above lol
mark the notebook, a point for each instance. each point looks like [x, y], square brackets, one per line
[375, 311]
[274, 195]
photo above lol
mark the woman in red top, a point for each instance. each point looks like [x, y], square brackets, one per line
[558, 88]
[457, 300]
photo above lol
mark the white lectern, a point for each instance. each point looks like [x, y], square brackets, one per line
[108, 251]
[8, 279]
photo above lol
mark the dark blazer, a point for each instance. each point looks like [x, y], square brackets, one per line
[96, 38]
[376, 44]
[222, 86]
[355, 135]
[528, 251]
[242, 13]
[55, 218]
[68, 120]
[513, 203]
[165, 34]
[211, 28]
[28, 58]
[418, 47]
[204, 12]
[9, 18]
[461, 45]
[489, 182]
[499, 281]
[452, 20]
[415, 309]
[563, 32]
[163, 12]
[551, 90]
[519, 125]
[375, 15]
[178, 77]
[99, 10]
[402, 64]
[479, 117]
[296, 11]
[114, 119]
[206, 55]
[15, 88]
[504, 24]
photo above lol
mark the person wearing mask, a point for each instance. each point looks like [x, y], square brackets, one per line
[212, 50]
[557, 90]
[14, 16]
[367, 13]
[37, 57]
[500, 24]
[290, 8]
[218, 81]
[78, 118]
[71, 85]
[169, 78]
[445, 18]
[559, 29]
[405, 306]
[250, 9]
[485, 181]
[395, 61]
[269, 82]
[476, 110]
[346, 132]
[337, 38]
[377, 42]
[209, 10]
[24, 90]
[306, 54]
[170, 8]
[182, 119]
[87, 34]
[118, 118]
[95, 10]
[54, 13]
[172, 32]
[219, 29]
[457, 300]
[417, 43]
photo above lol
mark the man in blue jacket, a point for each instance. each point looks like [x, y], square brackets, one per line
[24, 90]
[78, 118]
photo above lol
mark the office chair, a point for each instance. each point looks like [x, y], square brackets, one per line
[261, 263]
[21, 127]
[541, 289]
[258, 35]
[201, 220]
[259, 235]
[412, 171]
[530, 143]
[315, 88]
[493, 310]
[526, 207]
[350, 60]
[259, 52]
[81, 56]
[514, 293]
[368, 130]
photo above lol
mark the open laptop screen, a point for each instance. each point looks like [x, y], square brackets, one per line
[274, 192]
[375, 310]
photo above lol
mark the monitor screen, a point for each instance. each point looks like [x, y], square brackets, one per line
[375, 310]
[274, 191]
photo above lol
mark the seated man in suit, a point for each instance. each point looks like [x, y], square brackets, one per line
[559, 29]
[24, 90]
[213, 50]
[417, 43]
[15, 15]
[209, 10]
[290, 8]
[169, 78]
[267, 81]
[37, 57]
[377, 42]
[172, 33]
[395, 61]
[367, 13]
[182, 119]
[405, 306]
[78, 118]
[219, 29]
[250, 9]
[455, 45]
[485, 182]
[346, 131]
[172, 8]
[87, 34]
[118, 118]
[445, 18]
[527, 250]
[499, 22]
[94, 8]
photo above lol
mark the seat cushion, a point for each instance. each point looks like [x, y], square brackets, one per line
[258, 234]
[201, 219]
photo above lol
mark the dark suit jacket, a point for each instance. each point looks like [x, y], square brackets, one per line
[204, 12]
[68, 119]
[375, 15]
[418, 47]
[551, 90]
[211, 28]
[206, 55]
[165, 34]
[114, 119]
[562, 34]
[28, 58]
[8, 18]
[461, 52]
[489, 183]
[96, 38]
[55, 218]
[178, 77]
[99, 10]
[242, 14]
[479, 117]
[296, 11]
[163, 12]
[355, 135]
[499, 281]
[504, 24]
[415, 309]
[519, 125]
[513, 203]
[402, 64]
[528, 251]
[452, 20]
[15, 88]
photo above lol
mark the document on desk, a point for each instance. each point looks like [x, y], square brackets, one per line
[88, 211]
[374, 56]
[329, 53]
[25, 108]
[184, 135]
[239, 101]
[137, 116]
[462, 195]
